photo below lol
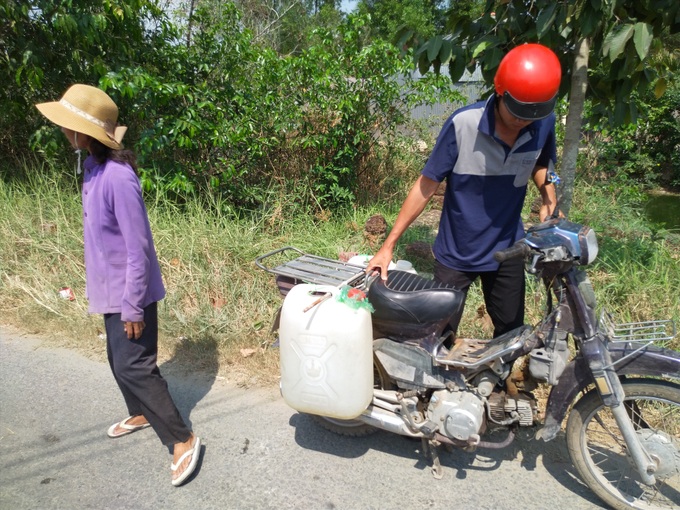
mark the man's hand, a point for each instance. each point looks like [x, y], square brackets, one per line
[380, 262]
[545, 213]
[134, 329]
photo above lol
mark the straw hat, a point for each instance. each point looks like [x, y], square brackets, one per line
[87, 110]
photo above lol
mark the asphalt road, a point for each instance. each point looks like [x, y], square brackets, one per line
[55, 407]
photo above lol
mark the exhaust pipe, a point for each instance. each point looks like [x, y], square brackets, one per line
[385, 420]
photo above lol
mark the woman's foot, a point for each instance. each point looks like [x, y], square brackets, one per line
[128, 426]
[184, 459]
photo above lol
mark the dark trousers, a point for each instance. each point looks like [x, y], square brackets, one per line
[503, 292]
[134, 366]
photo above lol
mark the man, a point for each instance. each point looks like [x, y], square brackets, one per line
[487, 152]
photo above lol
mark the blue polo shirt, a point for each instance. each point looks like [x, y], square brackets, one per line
[486, 183]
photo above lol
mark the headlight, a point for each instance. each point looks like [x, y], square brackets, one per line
[588, 243]
[578, 242]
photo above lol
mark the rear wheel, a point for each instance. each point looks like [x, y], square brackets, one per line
[357, 428]
[599, 452]
[351, 428]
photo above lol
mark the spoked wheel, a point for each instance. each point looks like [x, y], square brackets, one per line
[599, 451]
[357, 428]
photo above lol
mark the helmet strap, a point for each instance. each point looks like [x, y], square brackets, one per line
[79, 151]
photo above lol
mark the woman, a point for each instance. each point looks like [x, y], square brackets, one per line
[123, 278]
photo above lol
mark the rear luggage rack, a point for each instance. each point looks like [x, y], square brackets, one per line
[306, 268]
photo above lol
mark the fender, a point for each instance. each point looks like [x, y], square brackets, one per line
[651, 361]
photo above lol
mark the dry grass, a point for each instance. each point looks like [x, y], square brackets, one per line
[219, 307]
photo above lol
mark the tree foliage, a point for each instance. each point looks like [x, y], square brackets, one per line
[423, 17]
[250, 115]
[624, 38]
[209, 106]
[51, 44]
[286, 26]
[641, 154]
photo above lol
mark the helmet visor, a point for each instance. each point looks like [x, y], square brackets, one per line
[529, 111]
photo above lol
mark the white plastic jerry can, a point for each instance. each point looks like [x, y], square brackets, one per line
[326, 354]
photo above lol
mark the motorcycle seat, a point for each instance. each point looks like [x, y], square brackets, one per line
[410, 298]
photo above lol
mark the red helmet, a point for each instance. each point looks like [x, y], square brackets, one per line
[528, 79]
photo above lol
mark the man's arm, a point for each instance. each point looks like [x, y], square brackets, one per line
[420, 194]
[547, 191]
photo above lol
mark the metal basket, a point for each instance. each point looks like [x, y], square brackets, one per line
[637, 335]
[658, 332]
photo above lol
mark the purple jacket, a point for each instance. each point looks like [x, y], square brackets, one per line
[121, 267]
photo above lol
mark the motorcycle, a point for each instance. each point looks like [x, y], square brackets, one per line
[402, 370]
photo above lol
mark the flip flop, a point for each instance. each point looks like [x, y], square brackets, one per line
[127, 429]
[195, 452]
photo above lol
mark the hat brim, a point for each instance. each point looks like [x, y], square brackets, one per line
[529, 111]
[62, 117]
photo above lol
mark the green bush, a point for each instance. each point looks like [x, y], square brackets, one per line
[662, 135]
[47, 45]
[225, 114]
[644, 154]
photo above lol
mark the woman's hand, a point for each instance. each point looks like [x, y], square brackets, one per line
[134, 329]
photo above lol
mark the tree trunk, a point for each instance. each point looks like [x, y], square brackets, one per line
[190, 21]
[572, 135]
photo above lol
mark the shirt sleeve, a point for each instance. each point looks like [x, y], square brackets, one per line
[130, 212]
[549, 152]
[444, 154]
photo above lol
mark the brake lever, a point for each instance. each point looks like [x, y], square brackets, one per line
[531, 268]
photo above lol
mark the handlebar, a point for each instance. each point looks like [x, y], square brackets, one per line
[517, 250]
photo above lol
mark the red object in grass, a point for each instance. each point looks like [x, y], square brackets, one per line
[67, 293]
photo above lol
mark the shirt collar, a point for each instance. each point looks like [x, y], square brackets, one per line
[89, 162]
[488, 120]
[487, 124]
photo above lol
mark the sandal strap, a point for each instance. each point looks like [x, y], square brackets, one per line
[186, 454]
[123, 424]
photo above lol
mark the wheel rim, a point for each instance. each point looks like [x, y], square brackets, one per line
[657, 423]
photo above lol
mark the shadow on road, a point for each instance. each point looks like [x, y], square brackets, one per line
[188, 379]
[553, 455]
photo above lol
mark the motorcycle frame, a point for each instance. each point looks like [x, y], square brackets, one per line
[598, 355]
[652, 361]
[601, 363]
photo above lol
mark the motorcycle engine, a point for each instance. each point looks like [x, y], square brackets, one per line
[459, 414]
[505, 409]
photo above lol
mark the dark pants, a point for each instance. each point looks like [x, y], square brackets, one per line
[134, 366]
[503, 292]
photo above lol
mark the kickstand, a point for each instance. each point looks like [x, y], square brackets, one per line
[430, 450]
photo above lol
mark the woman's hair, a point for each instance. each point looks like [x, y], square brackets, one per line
[102, 153]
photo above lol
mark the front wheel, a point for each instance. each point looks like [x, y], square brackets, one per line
[599, 452]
